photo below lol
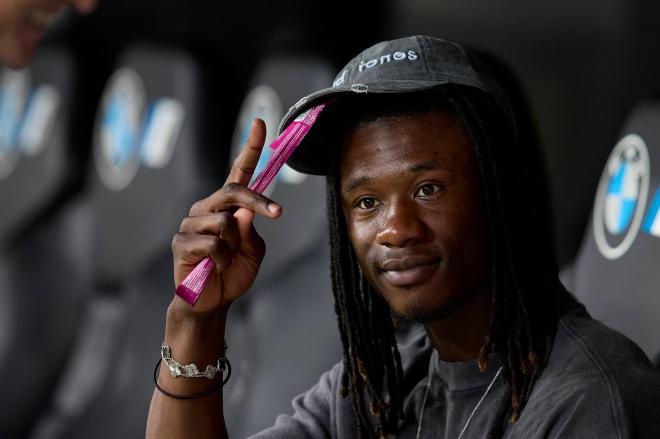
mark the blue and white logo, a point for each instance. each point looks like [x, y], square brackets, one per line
[161, 132]
[263, 102]
[14, 92]
[621, 197]
[27, 118]
[39, 120]
[119, 129]
[132, 130]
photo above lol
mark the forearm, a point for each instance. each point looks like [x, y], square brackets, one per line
[220, 227]
[192, 340]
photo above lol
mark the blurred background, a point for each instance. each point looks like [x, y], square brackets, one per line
[128, 115]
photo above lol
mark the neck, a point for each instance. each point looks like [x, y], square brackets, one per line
[459, 336]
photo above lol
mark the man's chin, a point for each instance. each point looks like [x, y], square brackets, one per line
[420, 314]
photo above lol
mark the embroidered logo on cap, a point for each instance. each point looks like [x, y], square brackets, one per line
[387, 58]
[379, 60]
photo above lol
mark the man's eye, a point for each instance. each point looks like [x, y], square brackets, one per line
[427, 190]
[367, 203]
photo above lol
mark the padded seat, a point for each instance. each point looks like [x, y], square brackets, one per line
[44, 233]
[616, 273]
[37, 158]
[283, 334]
[45, 229]
[150, 163]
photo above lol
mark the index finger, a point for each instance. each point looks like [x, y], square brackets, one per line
[246, 162]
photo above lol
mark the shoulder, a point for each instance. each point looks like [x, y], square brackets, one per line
[314, 415]
[597, 379]
[598, 354]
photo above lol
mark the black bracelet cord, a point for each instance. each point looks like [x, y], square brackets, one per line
[208, 392]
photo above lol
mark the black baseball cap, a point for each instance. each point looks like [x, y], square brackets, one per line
[405, 65]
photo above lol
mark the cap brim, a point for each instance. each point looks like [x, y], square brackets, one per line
[316, 152]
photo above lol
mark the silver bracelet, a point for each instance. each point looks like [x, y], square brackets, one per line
[190, 370]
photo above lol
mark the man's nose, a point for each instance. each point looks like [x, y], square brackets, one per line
[84, 6]
[402, 226]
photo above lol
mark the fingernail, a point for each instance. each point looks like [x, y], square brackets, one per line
[273, 208]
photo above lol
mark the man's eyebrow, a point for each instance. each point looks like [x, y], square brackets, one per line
[354, 183]
[429, 165]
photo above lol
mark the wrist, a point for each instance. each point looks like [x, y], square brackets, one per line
[195, 337]
[182, 315]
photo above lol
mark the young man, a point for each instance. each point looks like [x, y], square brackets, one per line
[24, 22]
[428, 223]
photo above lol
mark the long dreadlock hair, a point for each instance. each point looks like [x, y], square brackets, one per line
[526, 293]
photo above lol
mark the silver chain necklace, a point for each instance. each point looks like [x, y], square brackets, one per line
[476, 407]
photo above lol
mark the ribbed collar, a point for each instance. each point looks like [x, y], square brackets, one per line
[463, 375]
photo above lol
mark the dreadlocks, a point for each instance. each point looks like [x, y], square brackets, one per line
[523, 278]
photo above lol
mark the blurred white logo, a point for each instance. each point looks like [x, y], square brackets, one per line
[621, 197]
[27, 117]
[118, 129]
[263, 102]
[161, 132]
[39, 120]
[128, 135]
[14, 91]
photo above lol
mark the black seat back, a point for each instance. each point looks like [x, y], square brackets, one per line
[616, 273]
[37, 158]
[45, 231]
[150, 164]
[148, 152]
[282, 335]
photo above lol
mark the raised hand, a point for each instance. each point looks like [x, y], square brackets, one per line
[220, 227]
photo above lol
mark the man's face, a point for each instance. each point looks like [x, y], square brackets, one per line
[24, 22]
[414, 210]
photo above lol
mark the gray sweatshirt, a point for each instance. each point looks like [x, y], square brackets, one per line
[596, 384]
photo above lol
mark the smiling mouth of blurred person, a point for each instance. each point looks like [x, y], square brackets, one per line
[43, 18]
[36, 22]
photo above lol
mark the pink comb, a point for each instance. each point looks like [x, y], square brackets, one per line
[193, 285]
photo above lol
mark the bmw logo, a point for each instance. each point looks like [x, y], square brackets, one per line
[118, 129]
[14, 92]
[263, 102]
[621, 197]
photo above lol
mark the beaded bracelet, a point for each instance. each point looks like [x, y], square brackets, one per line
[191, 371]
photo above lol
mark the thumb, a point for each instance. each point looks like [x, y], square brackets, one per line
[250, 240]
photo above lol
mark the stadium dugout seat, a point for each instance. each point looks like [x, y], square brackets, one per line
[44, 232]
[282, 335]
[151, 161]
[37, 160]
[616, 272]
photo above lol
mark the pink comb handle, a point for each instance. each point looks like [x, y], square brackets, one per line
[193, 285]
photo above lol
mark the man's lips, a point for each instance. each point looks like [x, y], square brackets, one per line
[409, 270]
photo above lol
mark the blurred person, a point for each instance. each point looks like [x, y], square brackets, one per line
[429, 223]
[23, 24]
